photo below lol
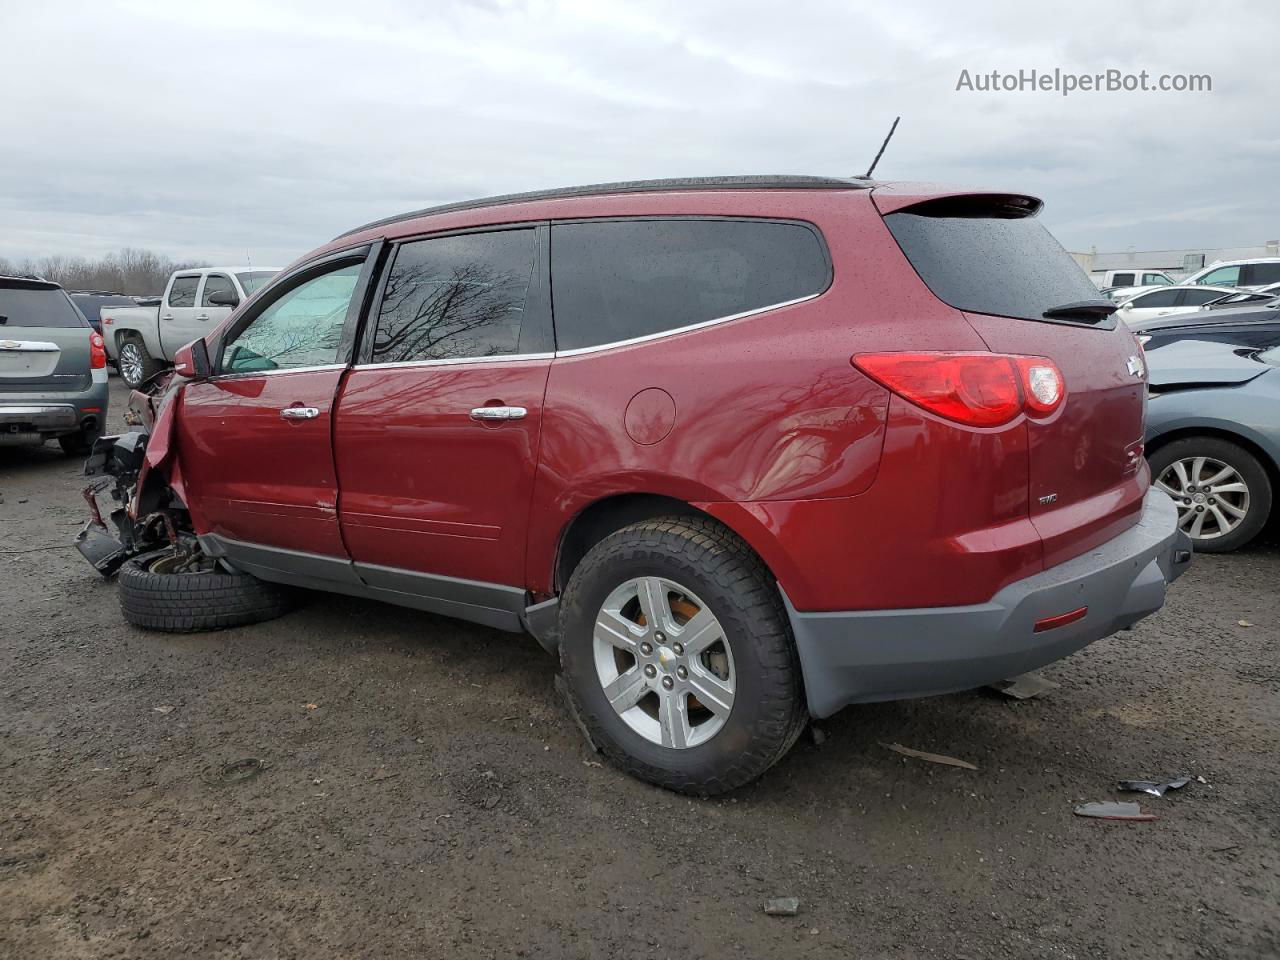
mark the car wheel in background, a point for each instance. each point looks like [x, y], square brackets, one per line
[1221, 490]
[179, 594]
[678, 656]
[135, 365]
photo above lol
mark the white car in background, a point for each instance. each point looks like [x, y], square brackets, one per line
[1249, 274]
[1164, 301]
[143, 340]
[1131, 277]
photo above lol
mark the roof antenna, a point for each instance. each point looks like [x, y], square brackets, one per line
[871, 169]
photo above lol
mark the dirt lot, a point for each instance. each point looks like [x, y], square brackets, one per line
[425, 795]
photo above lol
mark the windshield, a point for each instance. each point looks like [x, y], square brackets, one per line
[25, 305]
[253, 280]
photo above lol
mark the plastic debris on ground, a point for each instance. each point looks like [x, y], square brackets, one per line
[931, 757]
[1113, 810]
[1024, 687]
[1153, 788]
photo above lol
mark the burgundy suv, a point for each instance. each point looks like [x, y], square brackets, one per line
[741, 450]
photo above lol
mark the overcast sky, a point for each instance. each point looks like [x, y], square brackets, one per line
[232, 130]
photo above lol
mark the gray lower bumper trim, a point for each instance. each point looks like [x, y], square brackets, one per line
[44, 416]
[862, 656]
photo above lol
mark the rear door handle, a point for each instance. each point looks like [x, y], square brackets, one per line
[202, 316]
[300, 413]
[499, 413]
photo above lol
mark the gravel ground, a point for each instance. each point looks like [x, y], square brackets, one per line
[424, 794]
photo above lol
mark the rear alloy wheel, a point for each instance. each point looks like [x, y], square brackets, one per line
[136, 366]
[176, 593]
[678, 656]
[1222, 492]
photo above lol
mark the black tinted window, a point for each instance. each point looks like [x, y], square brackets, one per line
[1007, 266]
[1257, 274]
[92, 304]
[1194, 298]
[1160, 298]
[615, 280]
[183, 291]
[24, 306]
[455, 297]
[1122, 280]
[217, 283]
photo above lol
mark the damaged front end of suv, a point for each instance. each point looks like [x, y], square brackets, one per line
[136, 472]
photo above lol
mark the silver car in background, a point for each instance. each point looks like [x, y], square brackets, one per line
[53, 368]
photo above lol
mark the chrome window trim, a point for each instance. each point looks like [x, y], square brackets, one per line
[676, 331]
[245, 374]
[454, 361]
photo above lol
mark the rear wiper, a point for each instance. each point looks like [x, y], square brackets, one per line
[1082, 310]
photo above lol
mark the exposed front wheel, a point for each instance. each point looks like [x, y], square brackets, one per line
[135, 364]
[679, 658]
[177, 593]
[1222, 492]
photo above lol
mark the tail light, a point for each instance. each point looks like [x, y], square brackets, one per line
[97, 351]
[976, 389]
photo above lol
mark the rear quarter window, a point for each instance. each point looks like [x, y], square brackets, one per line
[37, 307]
[617, 280]
[974, 260]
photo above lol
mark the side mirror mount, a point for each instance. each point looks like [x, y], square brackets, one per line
[224, 298]
[192, 361]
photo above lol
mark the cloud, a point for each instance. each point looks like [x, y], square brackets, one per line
[237, 129]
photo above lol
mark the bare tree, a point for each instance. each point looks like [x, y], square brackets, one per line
[129, 271]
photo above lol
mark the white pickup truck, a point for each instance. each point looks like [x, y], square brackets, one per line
[142, 340]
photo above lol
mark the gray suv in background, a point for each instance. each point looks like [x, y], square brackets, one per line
[53, 368]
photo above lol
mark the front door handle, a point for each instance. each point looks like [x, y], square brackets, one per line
[300, 413]
[499, 413]
[167, 316]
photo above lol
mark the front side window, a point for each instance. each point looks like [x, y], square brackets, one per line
[619, 280]
[303, 328]
[217, 283]
[1154, 279]
[182, 293]
[1223, 276]
[450, 298]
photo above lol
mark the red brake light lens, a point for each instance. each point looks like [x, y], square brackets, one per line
[976, 389]
[97, 351]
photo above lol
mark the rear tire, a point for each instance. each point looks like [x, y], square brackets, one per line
[135, 364]
[1247, 487]
[682, 567]
[190, 602]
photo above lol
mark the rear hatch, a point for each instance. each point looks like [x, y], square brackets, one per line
[990, 257]
[44, 339]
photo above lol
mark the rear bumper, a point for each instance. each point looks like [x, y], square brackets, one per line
[49, 415]
[861, 656]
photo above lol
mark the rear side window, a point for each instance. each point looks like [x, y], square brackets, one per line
[975, 260]
[1122, 280]
[622, 279]
[35, 306]
[1194, 298]
[1258, 274]
[183, 291]
[450, 298]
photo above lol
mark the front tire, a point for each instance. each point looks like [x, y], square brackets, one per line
[135, 365]
[158, 592]
[1221, 490]
[678, 656]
